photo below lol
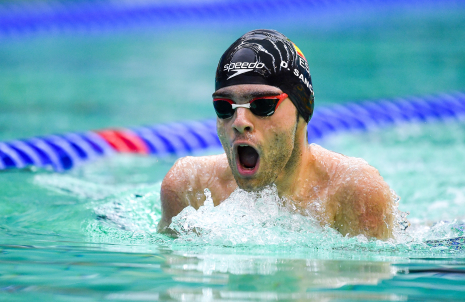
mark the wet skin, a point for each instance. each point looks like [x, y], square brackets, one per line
[342, 192]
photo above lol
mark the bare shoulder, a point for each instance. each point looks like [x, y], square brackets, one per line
[183, 185]
[364, 202]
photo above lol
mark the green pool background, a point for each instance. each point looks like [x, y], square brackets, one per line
[89, 234]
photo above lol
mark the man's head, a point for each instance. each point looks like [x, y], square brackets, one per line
[262, 84]
[268, 57]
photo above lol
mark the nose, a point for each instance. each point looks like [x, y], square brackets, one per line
[242, 122]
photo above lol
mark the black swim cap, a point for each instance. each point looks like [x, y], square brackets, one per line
[268, 57]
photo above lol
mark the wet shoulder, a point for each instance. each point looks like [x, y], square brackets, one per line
[198, 171]
[360, 199]
[340, 167]
[185, 183]
[346, 174]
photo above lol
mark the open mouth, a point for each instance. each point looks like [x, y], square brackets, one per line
[247, 159]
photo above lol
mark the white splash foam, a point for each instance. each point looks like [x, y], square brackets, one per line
[246, 218]
[261, 219]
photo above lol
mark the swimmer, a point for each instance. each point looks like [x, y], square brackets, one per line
[264, 100]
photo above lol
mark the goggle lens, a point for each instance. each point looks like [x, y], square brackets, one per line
[263, 107]
[223, 109]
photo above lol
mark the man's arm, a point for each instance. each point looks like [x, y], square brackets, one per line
[366, 205]
[178, 190]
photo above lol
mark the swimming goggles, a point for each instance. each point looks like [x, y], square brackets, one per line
[260, 106]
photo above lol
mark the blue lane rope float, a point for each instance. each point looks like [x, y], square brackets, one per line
[62, 152]
[20, 18]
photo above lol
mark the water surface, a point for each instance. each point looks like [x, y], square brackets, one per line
[89, 234]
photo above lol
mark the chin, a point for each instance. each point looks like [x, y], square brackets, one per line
[251, 185]
[248, 188]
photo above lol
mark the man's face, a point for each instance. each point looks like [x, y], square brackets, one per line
[259, 149]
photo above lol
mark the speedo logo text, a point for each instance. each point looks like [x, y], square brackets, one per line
[241, 67]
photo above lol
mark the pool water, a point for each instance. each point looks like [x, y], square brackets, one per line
[90, 233]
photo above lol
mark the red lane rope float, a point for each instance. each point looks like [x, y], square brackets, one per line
[124, 141]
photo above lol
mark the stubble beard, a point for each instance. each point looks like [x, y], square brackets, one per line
[272, 161]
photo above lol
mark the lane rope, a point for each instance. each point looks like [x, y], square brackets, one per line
[28, 17]
[64, 151]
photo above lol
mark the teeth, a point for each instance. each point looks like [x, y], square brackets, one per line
[243, 145]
